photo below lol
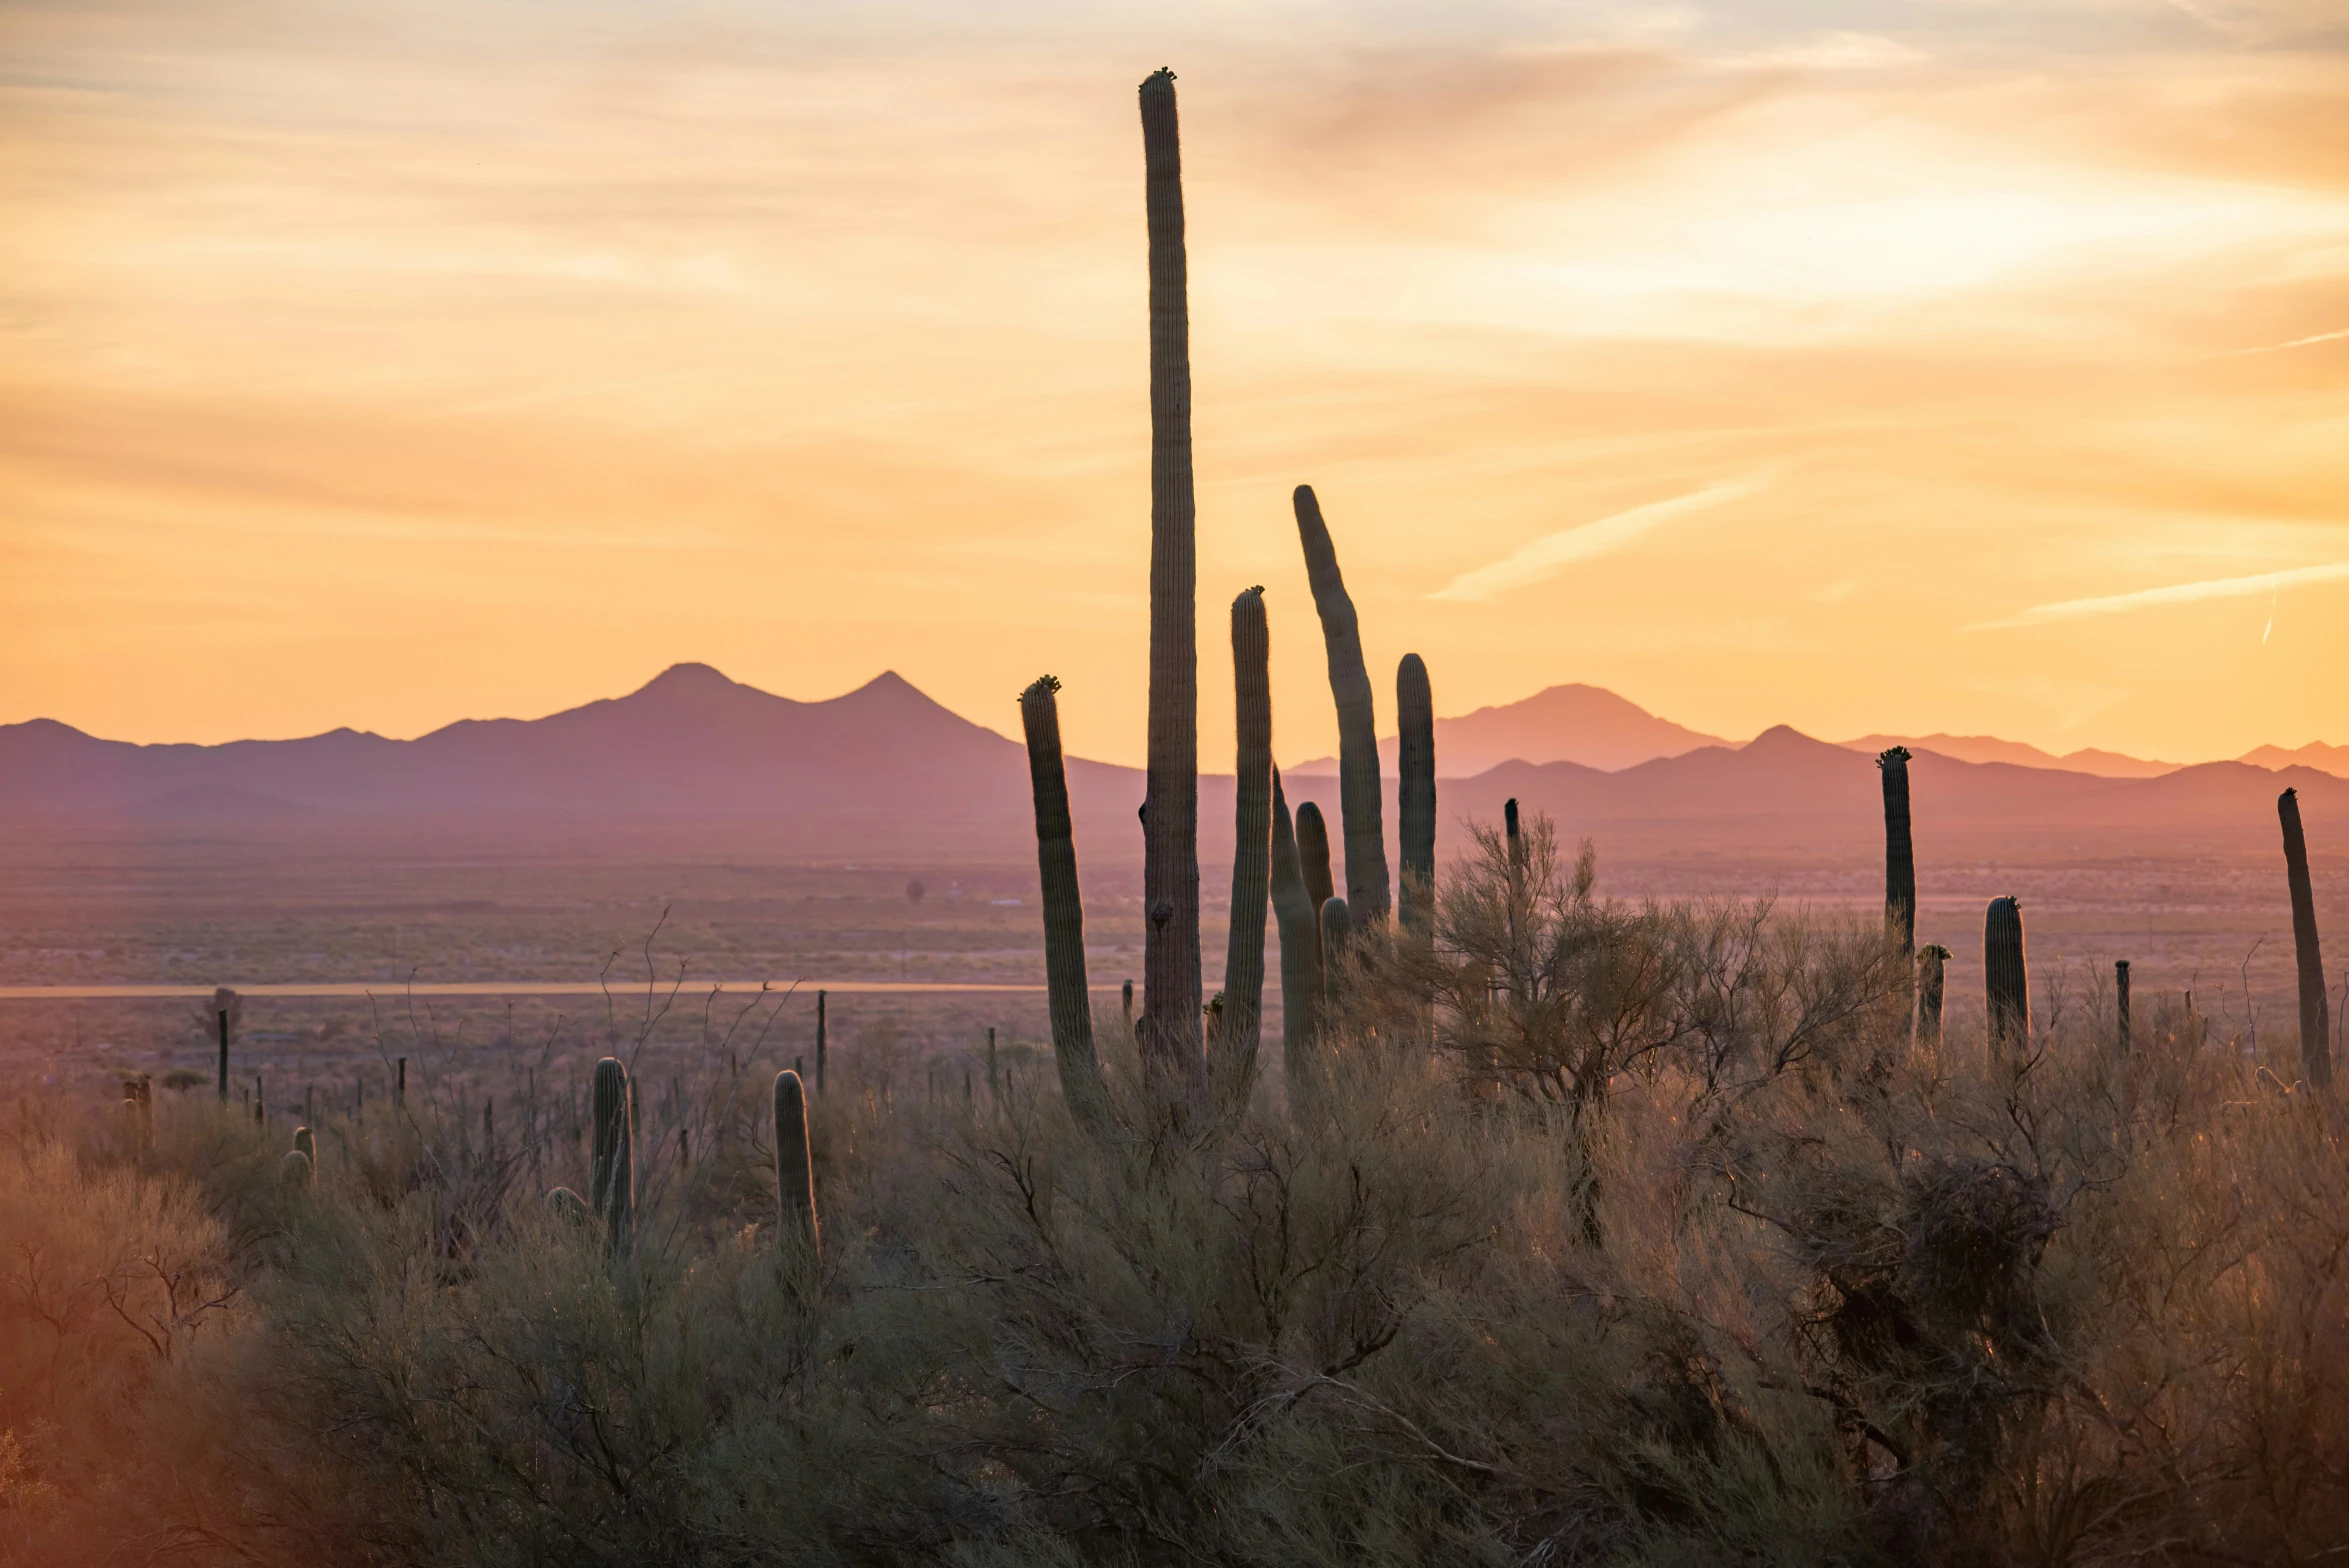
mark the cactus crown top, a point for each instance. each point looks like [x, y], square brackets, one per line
[1891, 755]
[1047, 682]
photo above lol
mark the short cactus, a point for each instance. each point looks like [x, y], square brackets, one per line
[1900, 852]
[1240, 1020]
[1416, 793]
[1069, 995]
[1299, 921]
[1337, 934]
[2122, 1034]
[2316, 1056]
[613, 1176]
[570, 1208]
[795, 1171]
[2005, 978]
[1932, 969]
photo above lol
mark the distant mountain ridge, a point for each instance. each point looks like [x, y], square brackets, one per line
[1589, 725]
[1989, 748]
[884, 769]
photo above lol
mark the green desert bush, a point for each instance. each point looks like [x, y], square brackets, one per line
[1668, 1249]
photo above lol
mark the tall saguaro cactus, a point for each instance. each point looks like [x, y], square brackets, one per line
[795, 1170]
[1359, 793]
[1900, 853]
[2316, 1056]
[1170, 841]
[1300, 929]
[224, 1006]
[613, 1175]
[1243, 969]
[2006, 981]
[1415, 800]
[1071, 999]
[2124, 1035]
[823, 1038]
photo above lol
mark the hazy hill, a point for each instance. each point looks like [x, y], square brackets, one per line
[1989, 748]
[2316, 754]
[1583, 724]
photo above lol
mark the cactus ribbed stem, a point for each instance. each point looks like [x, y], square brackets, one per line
[1171, 1057]
[1359, 792]
[614, 1171]
[1313, 855]
[1900, 853]
[1071, 999]
[795, 1170]
[1932, 962]
[2123, 1035]
[1299, 920]
[1337, 934]
[2316, 1055]
[822, 1040]
[1415, 800]
[2006, 980]
[1240, 1027]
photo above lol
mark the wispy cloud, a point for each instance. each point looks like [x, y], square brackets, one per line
[1553, 553]
[2278, 348]
[2176, 593]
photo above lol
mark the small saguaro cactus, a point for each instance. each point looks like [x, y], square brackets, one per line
[2006, 981]
[301, 1161]
[1299, 921]
[1932, 970]
[1900, 853]
[2120, 1004]
[795, 1171]
[1337, 933]
[1313, 854]
[570, 1208]
[1359, 791]
[1239, 1023]
[2316, 1056]
[613, 1175]
[1069, 995]
[1415, 797]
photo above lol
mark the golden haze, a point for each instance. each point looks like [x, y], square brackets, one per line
[386, 366]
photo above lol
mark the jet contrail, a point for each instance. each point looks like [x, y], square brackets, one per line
[1549, 554]
[2177, 593]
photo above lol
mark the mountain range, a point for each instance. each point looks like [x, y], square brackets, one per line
[885, 766]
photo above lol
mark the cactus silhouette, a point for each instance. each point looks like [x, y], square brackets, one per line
[1359, 792]
[297, 1169]
[2316, 1056]
[1070, 998]
[307, 1142]
[1932, 962]
[2006, 981]
[795, 1171]
[1415, 801]
[1299, 920]
[1900, 854]
[613, 1176]
[823, 1041]
[224, 1003]
[1171, 1057]
[2120, 1003]
[1240, 1025]
[1313, 855]
[1337, 934]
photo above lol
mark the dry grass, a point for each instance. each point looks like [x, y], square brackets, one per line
[1735, 1277]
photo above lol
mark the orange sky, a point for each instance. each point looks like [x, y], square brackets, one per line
[386, 365]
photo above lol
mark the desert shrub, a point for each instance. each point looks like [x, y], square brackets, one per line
[1667, 1250]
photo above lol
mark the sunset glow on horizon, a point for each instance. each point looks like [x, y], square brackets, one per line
[389, 367]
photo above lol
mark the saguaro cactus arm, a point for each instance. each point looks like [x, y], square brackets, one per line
[1241, 1027]
[1300, 929]
[1415, 802]
[1932, 961]
[1313, 855]
[1071, 999]
[2316, 1055]
[1170, 853]
[1900, 854]
[1359, 792]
